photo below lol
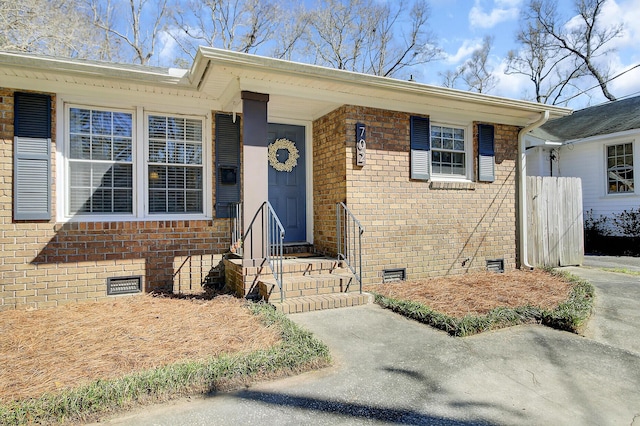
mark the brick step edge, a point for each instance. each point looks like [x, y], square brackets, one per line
[322, 301]
[310, 285]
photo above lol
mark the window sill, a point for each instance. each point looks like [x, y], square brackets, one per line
[452, 185]
[619, 195]
[121, 218]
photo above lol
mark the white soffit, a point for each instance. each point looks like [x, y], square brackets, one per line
[296, 91]
[307, 92]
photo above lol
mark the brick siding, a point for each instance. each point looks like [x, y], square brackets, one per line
[429, 228]
[44, 263]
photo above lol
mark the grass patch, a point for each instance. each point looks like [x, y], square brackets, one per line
[297, 352]
[569, 315]
[622, 271]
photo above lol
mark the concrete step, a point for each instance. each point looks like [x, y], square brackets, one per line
[340, 281]
[310, 266]
[322, 301]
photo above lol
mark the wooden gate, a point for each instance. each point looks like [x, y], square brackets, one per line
[554, 216]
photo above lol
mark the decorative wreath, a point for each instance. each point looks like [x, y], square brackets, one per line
[291, 162]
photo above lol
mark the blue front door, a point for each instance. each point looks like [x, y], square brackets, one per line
[287, 179]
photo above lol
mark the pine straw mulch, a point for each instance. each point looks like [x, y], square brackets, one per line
[479, 293]
[54, 349]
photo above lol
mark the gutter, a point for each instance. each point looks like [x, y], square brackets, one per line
[522, 193]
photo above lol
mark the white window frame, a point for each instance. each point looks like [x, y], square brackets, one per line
[606, 167]
[148, 114]
[140, 151]
[468, 152]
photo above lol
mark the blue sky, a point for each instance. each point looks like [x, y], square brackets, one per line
[460, 26]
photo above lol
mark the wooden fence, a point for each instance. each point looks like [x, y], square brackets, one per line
[554, 216]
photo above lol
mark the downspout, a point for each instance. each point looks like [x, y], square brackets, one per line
[522, 193]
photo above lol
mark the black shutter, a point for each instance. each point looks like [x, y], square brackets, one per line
[32, 157]
[227, 164]
[420, 148]
[486, 153]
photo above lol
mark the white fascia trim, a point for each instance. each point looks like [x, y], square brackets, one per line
[96, 69]
[605, 137]
[315, 72]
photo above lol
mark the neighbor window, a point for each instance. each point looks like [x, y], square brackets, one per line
[620, 168]
[100, 161]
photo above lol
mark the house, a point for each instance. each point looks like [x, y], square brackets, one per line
[119, 178]
[600, 145]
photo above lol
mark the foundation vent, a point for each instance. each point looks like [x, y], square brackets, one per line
[495, 265]
[390, 275]
[124, 285]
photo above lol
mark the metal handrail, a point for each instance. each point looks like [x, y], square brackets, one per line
[236, 228]
[272, 241]
[349, 232]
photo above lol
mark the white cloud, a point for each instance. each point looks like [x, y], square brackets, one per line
[167, 49]
[503, 10]
[510, 85]
[466, 48]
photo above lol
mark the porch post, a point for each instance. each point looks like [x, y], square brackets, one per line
[256, 169]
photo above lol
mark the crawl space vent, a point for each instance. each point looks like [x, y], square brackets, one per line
[124, 285]
[389, 275]
[495, 265]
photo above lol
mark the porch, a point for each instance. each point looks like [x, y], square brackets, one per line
[309, 283]
[294, 277]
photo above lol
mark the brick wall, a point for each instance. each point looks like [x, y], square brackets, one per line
[329, 177]
[429, 228]
[45, 264]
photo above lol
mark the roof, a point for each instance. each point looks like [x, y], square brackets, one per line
[296, 91]
[603, 119]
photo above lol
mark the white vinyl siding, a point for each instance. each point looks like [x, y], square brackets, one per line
[588, 161]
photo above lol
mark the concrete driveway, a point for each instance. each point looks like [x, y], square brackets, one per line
[388, 370]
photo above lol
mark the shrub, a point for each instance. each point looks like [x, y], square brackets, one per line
[628, 222]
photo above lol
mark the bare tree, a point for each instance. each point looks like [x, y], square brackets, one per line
[134, 24]
[552, 71]
[582, 38]
[53, 27]
[377, 38]
[450, 78]
[290, 33]
[476, 73]
[240, 25]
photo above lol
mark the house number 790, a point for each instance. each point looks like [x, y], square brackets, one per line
[361, 144]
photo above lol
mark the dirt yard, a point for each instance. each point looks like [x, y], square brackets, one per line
[478, 293]
[53, 349]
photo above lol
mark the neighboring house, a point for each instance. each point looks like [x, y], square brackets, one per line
[116, 171]
[600, 145]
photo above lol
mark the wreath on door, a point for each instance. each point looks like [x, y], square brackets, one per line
[291, 161]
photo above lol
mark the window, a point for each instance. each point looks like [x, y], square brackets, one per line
[125, 163]
[175, 165]
[448, 151]
[620, 168]
[439, 151]
[100, 161]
